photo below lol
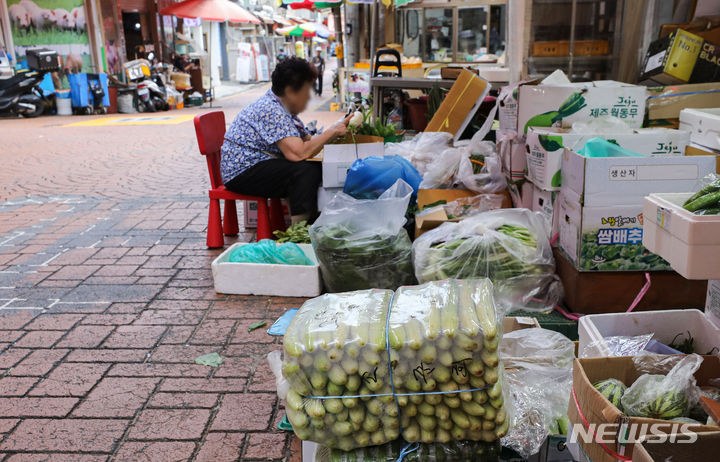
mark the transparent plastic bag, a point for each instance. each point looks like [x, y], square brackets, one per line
[538, 379]
[443, 365]
[442, 173]
[465, 207]
[480, 169]
[368, 178]
[657, 395]
[267, 251]
[509, 246]
[618, 345]
[361, 243]
[422, 149]
[455, 451]
[706, 199]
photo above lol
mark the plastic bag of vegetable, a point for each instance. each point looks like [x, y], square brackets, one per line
[706, 201]
[366, 367]
[659, 394]
[480, 170]
[368, 178]
[509, 246]
[538, 379]
[442, 173]
[267, 251]
[421, 150]
[464, 207]
[361, 243]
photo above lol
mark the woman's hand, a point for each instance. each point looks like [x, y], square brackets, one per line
[339, 129]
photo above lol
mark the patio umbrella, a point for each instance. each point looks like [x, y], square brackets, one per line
[311, 4]
[319, 29]
[210, 10]
[295, 31]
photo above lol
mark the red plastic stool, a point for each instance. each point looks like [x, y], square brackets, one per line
[210, 131]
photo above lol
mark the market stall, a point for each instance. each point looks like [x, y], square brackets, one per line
[442, 262]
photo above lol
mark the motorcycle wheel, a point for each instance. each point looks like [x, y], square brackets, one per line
[39, 109]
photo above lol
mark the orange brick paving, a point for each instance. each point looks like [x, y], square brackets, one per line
[106, 299]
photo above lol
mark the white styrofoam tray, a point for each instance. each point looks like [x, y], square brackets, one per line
[703, 125]
[665, 325]
[691, 243]
[267, 279]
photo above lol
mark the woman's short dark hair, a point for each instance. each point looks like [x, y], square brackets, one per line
[293, 73]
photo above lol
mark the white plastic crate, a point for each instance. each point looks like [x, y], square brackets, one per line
[267, 279]
[665, 325]
[703, 125]
[691, 243]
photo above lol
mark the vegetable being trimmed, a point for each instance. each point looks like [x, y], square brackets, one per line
[510, 247]
[442, 337]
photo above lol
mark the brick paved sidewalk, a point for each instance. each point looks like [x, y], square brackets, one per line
[104, 305]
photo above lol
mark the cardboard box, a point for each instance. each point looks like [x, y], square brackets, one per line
[507, 101]
[424, 223]
[671, 451]
[681, 57]
[614, 291]
[545, 202]
[664, 103]
[512, 157]
[337, 159]
[561, 105]
[460, 104]
[694, 150]
[250, 211]
[598, 410]
[600, 215]
[545, 147]
[324, 195]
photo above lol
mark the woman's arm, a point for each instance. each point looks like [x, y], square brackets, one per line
[296, 149]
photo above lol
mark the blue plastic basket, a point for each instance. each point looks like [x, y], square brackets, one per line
[80, 89]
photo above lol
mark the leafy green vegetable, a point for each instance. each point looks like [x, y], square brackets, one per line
[372, 128]
[686, 346]
[352, 261]
[256, 325]
[210, 359]
[297, 233]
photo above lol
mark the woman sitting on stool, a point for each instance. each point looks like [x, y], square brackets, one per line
[266, 148]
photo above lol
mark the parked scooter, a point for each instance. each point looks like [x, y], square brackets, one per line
[150, 96]
[20, 94]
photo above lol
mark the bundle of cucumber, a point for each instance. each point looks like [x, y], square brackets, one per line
[706, 201]
[441, 382]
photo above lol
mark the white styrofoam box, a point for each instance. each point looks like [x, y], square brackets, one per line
[592, 100]
[545, 202]
[703, 125]
[267, 279]
[337, 159]
[691, 243]
[512, 157]
[324, 195]
[545, 148]
[615, 181]
[665, 325]
[250, 211]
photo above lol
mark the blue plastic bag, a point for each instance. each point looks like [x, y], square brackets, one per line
[370, 177]
[267, 251]
[598, 147]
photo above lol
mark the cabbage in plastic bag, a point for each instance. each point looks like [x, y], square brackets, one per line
[509, 246]
[361, 243]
